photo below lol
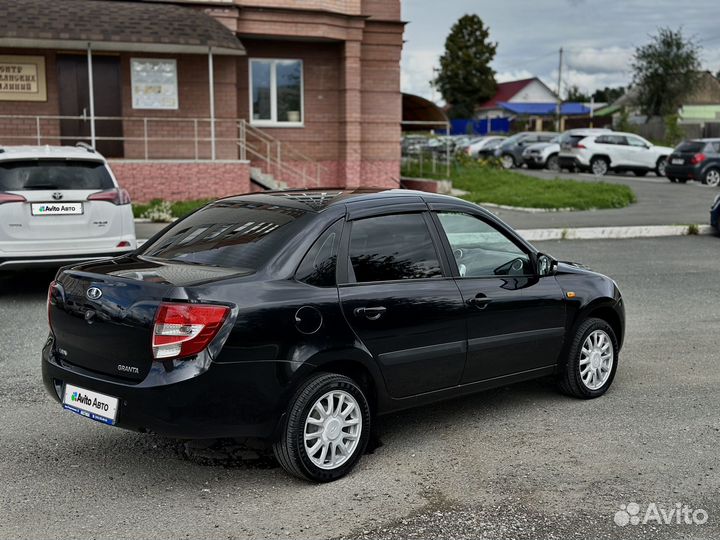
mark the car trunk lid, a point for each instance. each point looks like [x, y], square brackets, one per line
[102, 313]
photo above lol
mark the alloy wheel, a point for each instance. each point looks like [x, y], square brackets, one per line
[332, 429]
[507, 162]
[712, 178]
[596, 359]
[661, 165]
[599, 167]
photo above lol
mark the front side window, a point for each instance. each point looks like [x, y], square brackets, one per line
[394, 247]
[481, 250]
[637, 141]
[276, 88]
[318, 266]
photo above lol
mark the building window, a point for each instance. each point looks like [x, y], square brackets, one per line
[276, 92]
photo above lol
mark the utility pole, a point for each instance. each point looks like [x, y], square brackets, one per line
[559, 88]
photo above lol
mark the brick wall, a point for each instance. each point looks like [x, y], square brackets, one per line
[178, 180]
[27, 127]
[194, 102]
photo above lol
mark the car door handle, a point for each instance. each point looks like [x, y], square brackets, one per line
[480, 301]
[370, 313]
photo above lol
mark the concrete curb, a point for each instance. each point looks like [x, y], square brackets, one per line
[529, 210]
[598, 233]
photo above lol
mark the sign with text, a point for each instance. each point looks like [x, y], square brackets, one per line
[154, 83]
[22, 78]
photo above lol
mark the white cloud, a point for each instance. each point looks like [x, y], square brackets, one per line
[513, 75]
[417, 72]
[594, 60]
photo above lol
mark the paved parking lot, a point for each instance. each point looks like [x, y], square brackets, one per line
[517, 462]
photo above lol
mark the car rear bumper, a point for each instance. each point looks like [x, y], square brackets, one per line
[17, 262]
[685, 172]
[242, 399]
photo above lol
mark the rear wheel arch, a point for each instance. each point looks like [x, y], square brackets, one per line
[358, 372]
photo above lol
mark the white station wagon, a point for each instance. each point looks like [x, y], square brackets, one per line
[58, 205]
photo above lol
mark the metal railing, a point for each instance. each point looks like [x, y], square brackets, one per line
[158, 137]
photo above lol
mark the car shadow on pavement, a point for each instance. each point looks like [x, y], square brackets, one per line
[26, 283]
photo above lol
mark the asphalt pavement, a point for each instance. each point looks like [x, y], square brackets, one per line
[521, 462]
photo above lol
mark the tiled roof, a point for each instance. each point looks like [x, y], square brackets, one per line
[154, 26]
[505, 92]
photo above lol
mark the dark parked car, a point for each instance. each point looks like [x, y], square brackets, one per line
[510, 152]
[715, 214]
[297, 317]
[697, 159]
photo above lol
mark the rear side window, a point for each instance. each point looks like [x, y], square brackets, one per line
[53, 174]
[394, 247]
[319, 264]
[235, 234]
[691, 146]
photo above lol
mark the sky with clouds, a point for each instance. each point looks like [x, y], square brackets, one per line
[598, 37]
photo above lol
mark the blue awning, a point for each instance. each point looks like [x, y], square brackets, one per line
[544, 109]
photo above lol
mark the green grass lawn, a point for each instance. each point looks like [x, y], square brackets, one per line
[489, 184]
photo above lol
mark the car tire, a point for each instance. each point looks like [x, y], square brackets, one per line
[507, 161]
[712, 177]
[553, 163]
[589, 370]
[599, 166]
[329, 393]
[660, 167]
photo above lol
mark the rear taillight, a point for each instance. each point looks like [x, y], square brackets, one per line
[116, 196]
[698, 158]
[580, 146]
[183, 330]
[11, 197]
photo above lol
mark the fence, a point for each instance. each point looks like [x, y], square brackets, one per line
[164, 138]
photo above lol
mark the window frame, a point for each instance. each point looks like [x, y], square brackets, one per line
[343, 274]
[273, 121]
[436, 209]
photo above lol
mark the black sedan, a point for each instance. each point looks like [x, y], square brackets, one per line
[298, 317]
[697, 159]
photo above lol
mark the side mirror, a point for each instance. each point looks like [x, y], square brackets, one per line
[546, 265]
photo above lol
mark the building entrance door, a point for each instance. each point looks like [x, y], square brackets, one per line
[75, 101]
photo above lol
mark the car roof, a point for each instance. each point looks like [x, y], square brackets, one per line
[318, 200]
[15, 153]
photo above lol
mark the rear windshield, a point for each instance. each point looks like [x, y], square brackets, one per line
[53, 174]
[691, 146]
[234, 234]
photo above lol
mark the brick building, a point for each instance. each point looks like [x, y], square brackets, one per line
[194, 98]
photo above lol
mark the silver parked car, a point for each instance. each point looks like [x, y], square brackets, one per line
[60, 205]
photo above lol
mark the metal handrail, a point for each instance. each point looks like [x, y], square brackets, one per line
[271, 151]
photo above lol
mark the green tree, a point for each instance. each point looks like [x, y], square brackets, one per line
[465, 77]
[608, 94]
[575, 95]
[665, 71]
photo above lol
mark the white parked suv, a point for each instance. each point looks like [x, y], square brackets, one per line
[603, 152]
[60, 205]
[546, 154]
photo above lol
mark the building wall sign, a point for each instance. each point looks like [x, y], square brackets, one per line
[154, 83]
[22, 78]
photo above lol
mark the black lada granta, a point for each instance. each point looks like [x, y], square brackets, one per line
[299, 317]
